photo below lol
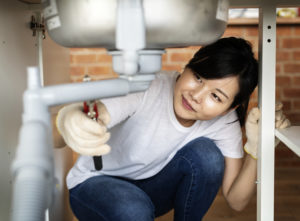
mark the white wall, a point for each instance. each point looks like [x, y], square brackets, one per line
[17, 51]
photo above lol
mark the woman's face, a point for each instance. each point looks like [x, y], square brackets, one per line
[196, 98]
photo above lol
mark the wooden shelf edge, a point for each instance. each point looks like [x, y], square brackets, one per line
[290, 137]
[254, 21]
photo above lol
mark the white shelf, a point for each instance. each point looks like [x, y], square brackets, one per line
[291, 137]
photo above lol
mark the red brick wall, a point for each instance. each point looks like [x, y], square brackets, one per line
[97, 64]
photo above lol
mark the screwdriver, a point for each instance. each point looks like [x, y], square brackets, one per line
[91, 110]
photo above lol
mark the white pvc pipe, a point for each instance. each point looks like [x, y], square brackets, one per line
[130, 33]
[40, 55]
[33, 166]
[33, 173]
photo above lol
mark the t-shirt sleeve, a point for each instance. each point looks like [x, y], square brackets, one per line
[120, 108]
[123, 107]
[229, 137]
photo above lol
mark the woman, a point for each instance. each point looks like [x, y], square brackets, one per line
[171, 147]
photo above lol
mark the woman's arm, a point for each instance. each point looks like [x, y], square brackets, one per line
[239, 181]
[240, 176]
[120, 108]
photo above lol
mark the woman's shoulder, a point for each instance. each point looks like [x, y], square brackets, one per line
[230, 117]
[230, 123]
[223, 124]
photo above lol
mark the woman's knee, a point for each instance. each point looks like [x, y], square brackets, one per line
[205, 155]
[134, 205]
[111, 199]
[134, 210]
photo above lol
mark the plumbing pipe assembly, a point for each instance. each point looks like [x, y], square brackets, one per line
[135, 33]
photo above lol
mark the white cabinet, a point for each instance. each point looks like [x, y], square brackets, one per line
[290, 136]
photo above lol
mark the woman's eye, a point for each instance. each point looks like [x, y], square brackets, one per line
[216, 97]
[199, 79]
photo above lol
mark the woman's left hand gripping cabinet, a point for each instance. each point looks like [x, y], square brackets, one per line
[82, 134]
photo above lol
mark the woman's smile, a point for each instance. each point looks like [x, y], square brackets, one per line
[186, 104]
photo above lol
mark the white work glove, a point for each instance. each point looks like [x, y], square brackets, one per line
[252, 128]
[82, 134]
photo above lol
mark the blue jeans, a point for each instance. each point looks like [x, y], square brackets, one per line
[188, 184]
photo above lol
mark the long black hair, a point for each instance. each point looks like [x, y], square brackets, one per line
[229, 57]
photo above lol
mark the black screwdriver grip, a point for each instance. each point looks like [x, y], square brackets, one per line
[97, 162]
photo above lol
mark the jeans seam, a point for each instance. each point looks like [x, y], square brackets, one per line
[187, 203]
[97, 212]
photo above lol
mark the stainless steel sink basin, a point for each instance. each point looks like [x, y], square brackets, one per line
[169, 23]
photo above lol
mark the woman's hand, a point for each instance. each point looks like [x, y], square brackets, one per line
[252, 127]
[82, 134]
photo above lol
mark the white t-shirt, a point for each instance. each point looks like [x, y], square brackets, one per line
[145, 134]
